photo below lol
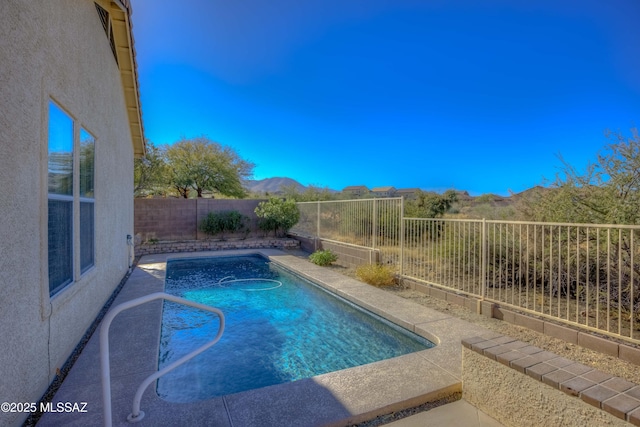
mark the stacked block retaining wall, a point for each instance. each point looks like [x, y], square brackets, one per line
[211, 245]
[348, 255]
[351, 256]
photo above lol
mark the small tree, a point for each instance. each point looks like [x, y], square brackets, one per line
[607, 192]
[277, 215]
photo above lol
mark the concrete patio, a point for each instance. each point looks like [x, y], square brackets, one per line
[337, 398]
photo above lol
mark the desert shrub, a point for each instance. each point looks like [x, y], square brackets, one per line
[485, 198]
[277, 215]
[376, 274]
[221, 222]
[430, 205]
[323, 257]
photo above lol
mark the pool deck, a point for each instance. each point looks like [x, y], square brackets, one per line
[335, 399]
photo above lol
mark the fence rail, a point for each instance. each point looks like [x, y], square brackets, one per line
[581, 274]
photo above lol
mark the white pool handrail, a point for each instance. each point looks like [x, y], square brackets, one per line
[137, 414]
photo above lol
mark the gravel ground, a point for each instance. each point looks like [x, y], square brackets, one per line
[600, 361]
[603, 362]
[395, 416]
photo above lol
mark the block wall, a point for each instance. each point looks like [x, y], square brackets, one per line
[178, 219]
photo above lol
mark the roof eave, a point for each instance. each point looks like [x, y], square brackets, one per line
[120, 11]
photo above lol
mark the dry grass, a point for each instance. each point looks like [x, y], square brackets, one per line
[376, 274]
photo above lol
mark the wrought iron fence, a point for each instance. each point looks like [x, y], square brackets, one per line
[583, 274]
[447, 253]
[580, 274]
[370, 223]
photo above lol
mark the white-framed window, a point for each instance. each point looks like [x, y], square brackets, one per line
[87, 201]
[71, 198]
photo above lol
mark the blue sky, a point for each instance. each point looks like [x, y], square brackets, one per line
[477, 96]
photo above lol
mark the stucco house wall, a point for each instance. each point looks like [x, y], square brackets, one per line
[55, 50]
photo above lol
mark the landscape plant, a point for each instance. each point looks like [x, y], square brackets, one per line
[221, 222]
[277, 215]
[323, 257]
[376, 274]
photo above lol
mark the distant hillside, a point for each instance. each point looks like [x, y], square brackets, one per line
[465, 200]
[538, 190]
[272, 185]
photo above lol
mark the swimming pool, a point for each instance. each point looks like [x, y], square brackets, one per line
[279, 328]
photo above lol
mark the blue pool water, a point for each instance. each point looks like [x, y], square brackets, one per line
[278, 329]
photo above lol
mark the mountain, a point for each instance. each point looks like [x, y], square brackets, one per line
[536, 191]
[272, 185]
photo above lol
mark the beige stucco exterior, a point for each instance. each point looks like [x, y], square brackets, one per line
[58, 50]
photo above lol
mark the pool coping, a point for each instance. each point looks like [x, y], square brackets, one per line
[338, 398]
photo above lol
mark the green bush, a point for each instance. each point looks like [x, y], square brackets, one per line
[323, 258]
[220, 222]
[376, 274]
[277, 215]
